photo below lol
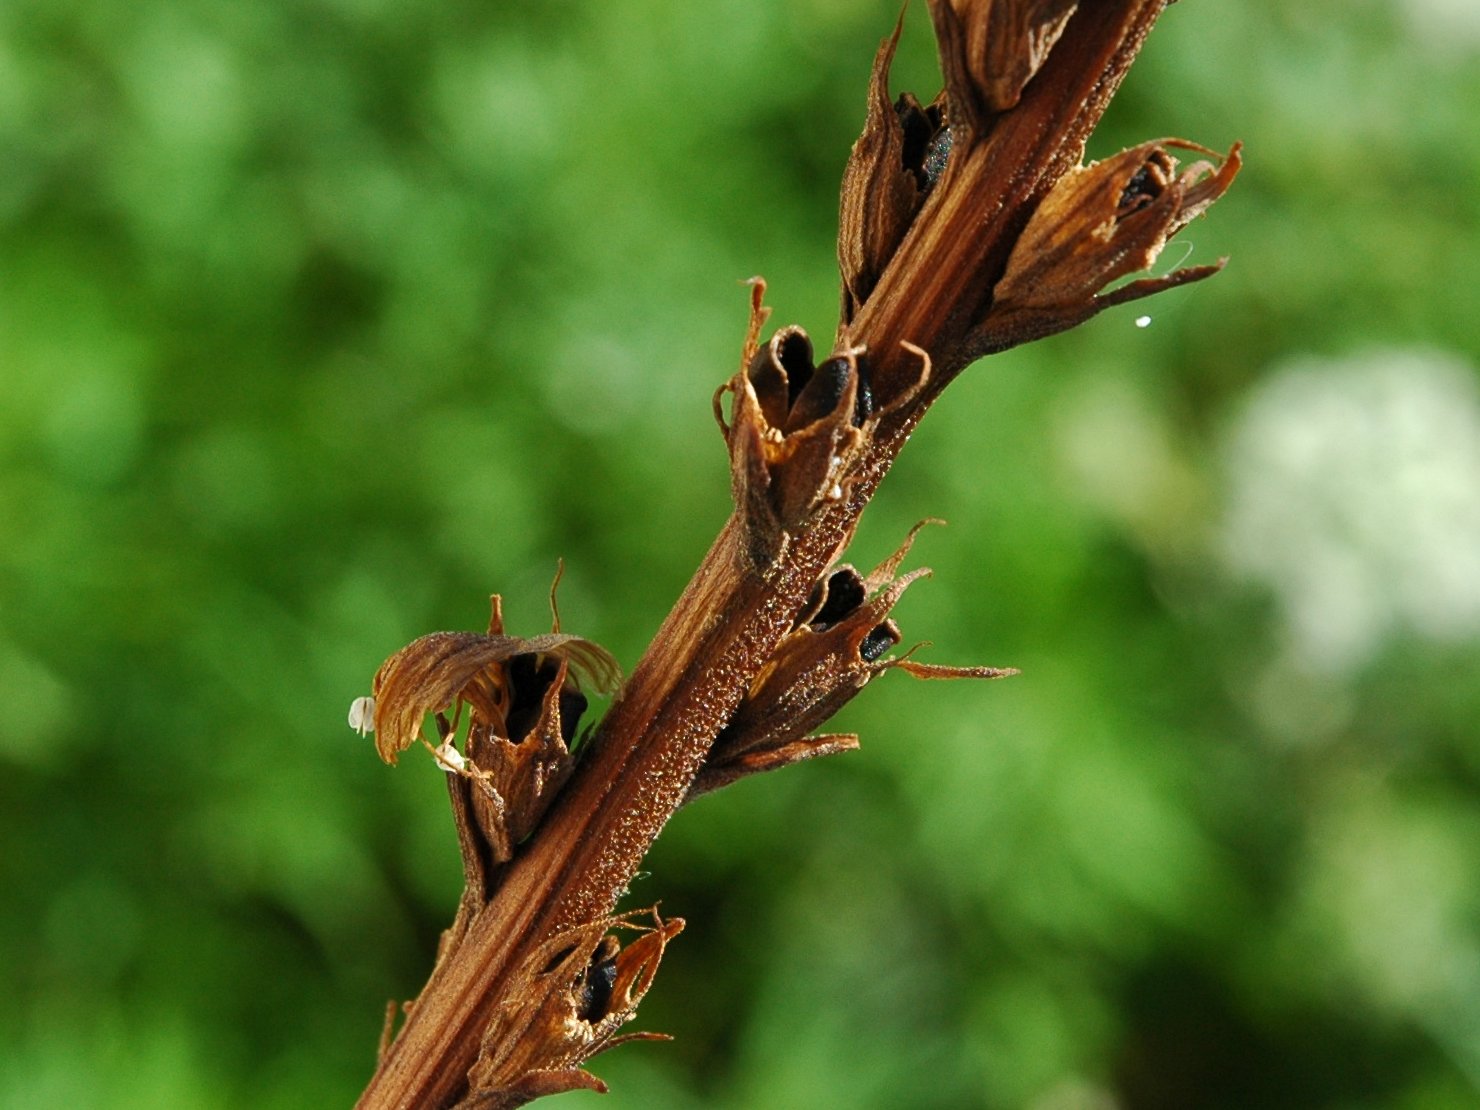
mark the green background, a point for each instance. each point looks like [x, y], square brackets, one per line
[321, 320]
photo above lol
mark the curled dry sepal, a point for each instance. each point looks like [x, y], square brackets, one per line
[968, 224]
[525, 703]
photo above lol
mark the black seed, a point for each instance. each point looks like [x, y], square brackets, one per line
[863, 400]
[794, 353]
[596, 990]
[845, 593]
[821, 395]
[937, 155]
[530, 676]
[879, 640]
[572, 704]
[1141, 189]
[915, 125]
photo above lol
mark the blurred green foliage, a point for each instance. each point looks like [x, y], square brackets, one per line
[321, 320]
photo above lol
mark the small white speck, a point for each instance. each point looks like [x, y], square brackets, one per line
[836, 493]
[362, 715]
[1143, 321]
[449, 758]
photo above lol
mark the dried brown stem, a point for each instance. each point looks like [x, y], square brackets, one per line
[652, 744]
[920, 304]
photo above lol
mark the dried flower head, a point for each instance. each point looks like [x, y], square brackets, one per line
[797, 429]
[568, 1001]
[836, 647]
[895, 163]
[525, 701]
[502, 678]
[1101, 222]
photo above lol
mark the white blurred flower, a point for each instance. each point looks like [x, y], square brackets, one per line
[1444, 26]
[1354, 495]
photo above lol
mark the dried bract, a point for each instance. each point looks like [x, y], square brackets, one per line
[990, 50]
[797, 429]
[1099, 223]
[525, 701]
[794, 427]
[836, 647]
[894, 164]
[565, 1004]
[501, 677]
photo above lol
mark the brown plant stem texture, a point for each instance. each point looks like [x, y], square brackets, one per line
[967, 225]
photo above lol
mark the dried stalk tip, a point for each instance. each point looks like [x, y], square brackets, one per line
[989, 52]
[1049, 234]
[565, 1005]
[835, 648]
